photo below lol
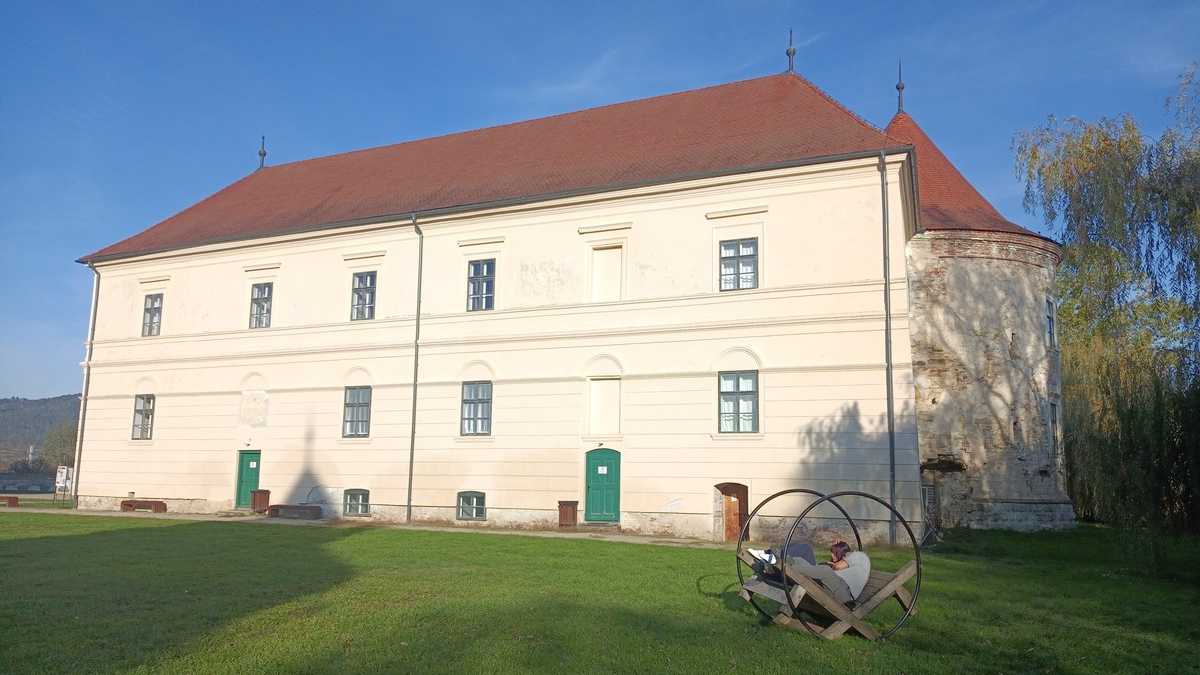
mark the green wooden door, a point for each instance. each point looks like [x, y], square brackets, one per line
[249, 463]
[603, 486]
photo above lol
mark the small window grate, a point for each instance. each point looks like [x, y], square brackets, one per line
[356, 502]
[471, 506]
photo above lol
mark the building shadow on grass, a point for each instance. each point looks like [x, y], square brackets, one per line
[139, 592]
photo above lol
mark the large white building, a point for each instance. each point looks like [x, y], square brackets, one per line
[662, 309]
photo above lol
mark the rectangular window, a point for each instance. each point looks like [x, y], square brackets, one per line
[1054, 426]
[356, 417]
[1051, 338]
[481, 285]
[362, 296]
[143, 417]
[356, 503]
[607, 273]
[260, 305]
[738, 402]
[476, 408]
[471, 506]
[152, 315]
[739, 264]
[604, 401]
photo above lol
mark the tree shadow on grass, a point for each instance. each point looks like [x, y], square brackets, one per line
[121, 593]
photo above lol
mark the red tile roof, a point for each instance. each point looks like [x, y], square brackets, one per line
[728, 128]
[721, 129]
[948, 200]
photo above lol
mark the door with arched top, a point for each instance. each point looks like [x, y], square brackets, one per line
[734, 506]
[603, 486]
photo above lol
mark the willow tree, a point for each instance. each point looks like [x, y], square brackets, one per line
[1126, 207]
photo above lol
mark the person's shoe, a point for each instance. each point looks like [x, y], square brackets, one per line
[765, 556]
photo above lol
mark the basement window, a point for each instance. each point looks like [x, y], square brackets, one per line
[356, 502]
[471, 506]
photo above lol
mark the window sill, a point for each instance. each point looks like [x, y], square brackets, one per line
[757, 436]
[475, 439]
[354, 440]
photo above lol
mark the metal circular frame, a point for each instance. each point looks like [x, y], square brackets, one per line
[745, 533]
[831, 499]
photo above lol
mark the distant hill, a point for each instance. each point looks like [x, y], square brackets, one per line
[25, 421]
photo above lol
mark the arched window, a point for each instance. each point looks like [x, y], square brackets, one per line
[471, 506]
[356, 502]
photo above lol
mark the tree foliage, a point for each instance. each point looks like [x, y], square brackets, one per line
[1127, 208]
[58, 448]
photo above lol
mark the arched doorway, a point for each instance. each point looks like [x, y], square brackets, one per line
[734, 507]
[603, 486]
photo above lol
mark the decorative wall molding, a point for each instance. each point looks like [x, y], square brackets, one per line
[730, 213]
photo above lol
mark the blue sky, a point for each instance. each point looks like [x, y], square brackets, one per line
[113, 116]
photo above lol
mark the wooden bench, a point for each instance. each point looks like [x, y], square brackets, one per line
[11, 502]
[129, 505]
[810, 596]
[299, 511]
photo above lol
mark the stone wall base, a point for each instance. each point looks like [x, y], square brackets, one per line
[1020, 516]
[101, 503]
[766, 530]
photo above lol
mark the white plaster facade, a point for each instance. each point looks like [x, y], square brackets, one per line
[813, 329]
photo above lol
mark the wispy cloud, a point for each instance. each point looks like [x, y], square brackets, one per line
[810, 40]
[593, 79]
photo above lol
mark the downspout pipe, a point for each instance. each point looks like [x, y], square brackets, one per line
[887, 345]
[412, 427]
[87, 382]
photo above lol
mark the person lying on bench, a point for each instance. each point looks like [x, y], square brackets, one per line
[845, 575]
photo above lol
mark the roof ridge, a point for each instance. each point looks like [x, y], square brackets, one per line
[569, 113]
[838, 104]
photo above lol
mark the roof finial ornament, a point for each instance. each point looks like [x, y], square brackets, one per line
[791, 53]
[262, 152]
[899, 86]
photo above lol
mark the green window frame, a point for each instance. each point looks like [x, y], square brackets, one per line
[356, 415]
[737, 402]
[476, 409]
[472, 505]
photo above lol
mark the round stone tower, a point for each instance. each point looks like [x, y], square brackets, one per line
[985, 355]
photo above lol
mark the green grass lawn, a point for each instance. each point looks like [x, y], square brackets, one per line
[92, 594]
